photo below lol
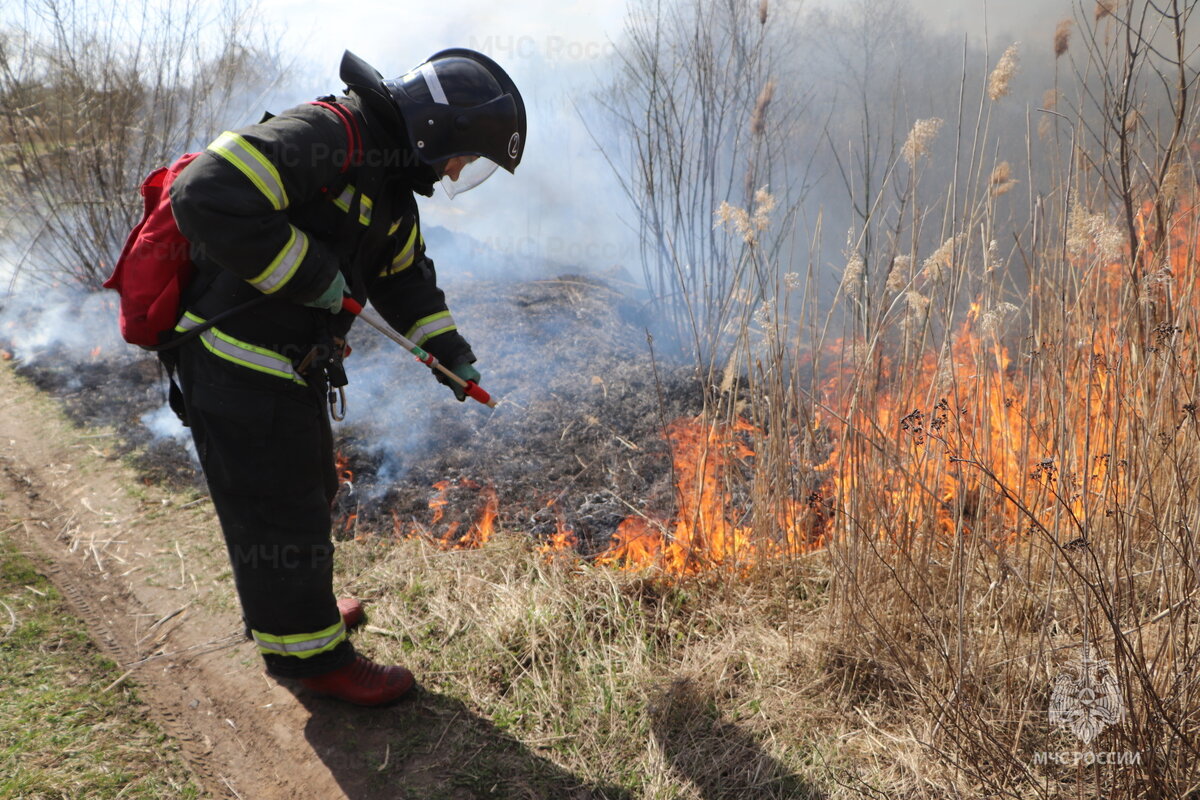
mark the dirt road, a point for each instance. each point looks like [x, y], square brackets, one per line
[139, 571]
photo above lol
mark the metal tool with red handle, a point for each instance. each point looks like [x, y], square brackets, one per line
[372, 318]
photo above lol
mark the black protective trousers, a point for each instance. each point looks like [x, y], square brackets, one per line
[266, 448]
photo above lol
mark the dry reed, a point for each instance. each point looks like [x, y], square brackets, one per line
[1001, 78]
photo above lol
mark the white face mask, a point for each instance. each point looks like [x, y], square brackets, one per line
[470, 176]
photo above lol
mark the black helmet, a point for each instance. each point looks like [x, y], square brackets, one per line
[461, 103]
[457, 103]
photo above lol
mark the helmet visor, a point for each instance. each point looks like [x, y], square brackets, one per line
[468, 177]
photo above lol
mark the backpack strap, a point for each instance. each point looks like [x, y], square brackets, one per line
[353, 135]
[192, 333]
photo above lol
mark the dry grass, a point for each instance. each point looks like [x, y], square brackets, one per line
[1062, 37]
[917, 144]
[659, 686]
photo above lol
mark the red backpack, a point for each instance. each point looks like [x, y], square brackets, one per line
[155, 266]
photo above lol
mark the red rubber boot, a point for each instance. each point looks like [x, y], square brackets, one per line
[363, 682]
[351, 610]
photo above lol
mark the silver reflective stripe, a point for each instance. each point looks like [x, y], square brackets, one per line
[284, 265]
[343, 200]
[301, 645]
[253, 164]
[404, 258]
[431, 326]
[251, 356]
[434, 84]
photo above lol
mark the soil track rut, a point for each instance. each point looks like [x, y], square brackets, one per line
[143, 570]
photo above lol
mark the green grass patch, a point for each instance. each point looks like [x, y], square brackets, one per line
[63, 732]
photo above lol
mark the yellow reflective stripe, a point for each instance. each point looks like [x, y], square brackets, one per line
[253, 164]
[244, 354]
[285, 264]
[428, 327]
[189, 321]
[301, 645]
[365, 205]
[268, 361]
[403, 259]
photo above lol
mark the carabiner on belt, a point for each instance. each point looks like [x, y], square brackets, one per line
[337, 403]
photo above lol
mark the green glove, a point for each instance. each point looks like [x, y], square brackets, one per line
[467, 372]
[331, 298]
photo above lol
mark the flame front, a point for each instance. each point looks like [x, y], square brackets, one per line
[447, 536]
[956, 441]
[710, 530]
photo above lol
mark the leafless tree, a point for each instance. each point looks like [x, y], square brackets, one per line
[95, 96]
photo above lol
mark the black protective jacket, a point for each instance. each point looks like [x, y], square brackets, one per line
[279, 207]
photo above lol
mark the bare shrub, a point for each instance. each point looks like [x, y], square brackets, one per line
[708, 123]
[95, 96]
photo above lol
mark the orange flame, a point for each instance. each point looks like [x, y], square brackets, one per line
[345, 477]
[476, 534]
[562, 541]
[481, 532]
[709, 530]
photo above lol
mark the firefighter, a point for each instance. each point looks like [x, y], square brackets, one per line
[307, 207]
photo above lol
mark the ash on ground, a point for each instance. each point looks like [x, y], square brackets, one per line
[576, 441]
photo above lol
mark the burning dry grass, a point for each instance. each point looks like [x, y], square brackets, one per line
[1033, 507]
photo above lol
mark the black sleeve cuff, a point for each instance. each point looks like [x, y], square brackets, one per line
[451, 349]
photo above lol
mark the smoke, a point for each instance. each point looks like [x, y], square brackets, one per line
[995, 24]
[564, 205]
[539, 344]
[874, 72]
[164, 425]
[65, 323]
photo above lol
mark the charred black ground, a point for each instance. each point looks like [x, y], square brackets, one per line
[581, 440]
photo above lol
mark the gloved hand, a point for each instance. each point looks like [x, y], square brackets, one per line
[466, 371]
[331, 298]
